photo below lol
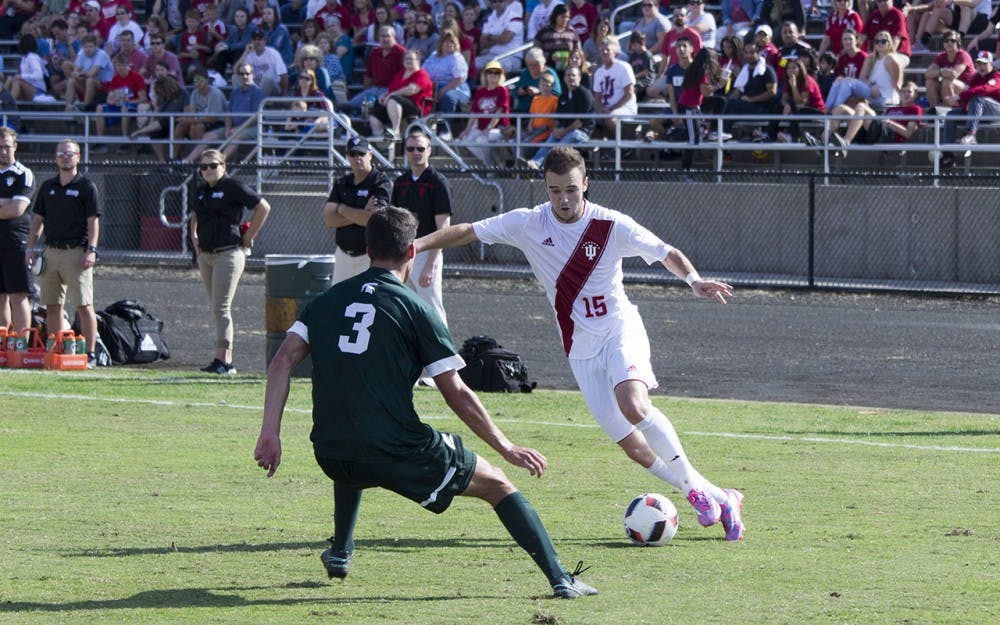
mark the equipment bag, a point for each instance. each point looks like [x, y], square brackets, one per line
[131, 335]
[491, 368]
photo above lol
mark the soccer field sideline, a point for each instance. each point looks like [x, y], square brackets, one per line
[432, 417]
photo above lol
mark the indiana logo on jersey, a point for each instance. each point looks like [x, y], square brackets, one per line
[590, 250]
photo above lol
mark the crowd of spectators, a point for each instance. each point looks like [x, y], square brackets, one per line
[383, 63]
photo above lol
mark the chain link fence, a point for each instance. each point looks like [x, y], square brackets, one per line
[896, 231]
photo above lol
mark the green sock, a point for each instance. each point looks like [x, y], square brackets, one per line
[525, 527]
[346, 503]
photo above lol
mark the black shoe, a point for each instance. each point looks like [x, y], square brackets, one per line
[220, 368]
[809, 140]
[570, 587]
[336, 563]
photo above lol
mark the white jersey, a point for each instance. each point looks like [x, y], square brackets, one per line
[580, 267]
[609, 85]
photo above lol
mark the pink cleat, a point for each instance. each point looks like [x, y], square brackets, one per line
[708, 509]
[732, 516]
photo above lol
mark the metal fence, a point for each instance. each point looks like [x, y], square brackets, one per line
[898, 231]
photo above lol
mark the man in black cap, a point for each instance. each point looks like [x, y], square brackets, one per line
[270, 71]
[353, 199]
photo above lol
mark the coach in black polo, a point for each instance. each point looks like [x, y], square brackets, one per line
[17, 184]
[354, 197]
[67, 212]
[425, 193]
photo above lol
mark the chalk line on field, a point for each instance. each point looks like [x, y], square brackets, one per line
[763, 437]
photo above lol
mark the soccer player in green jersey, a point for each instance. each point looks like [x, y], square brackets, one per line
[370, 337]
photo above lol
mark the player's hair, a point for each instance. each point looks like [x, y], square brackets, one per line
[563, 159]
[8, 133]
[389, 233]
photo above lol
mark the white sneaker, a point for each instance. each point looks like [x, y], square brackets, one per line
[714, 136]
[969, 139]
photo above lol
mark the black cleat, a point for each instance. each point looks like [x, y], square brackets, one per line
[336, 563]
[570, 587]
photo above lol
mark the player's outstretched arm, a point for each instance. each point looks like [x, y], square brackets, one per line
[279, 374]
[679, 265]
[452, 236]
[464, 402]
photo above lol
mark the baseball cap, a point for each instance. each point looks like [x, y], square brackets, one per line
[258, 34]
[92, 4]
[764, 28]
[984, 56]
[357, 144]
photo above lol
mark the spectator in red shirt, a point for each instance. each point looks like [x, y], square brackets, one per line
[582, 18]
[840, 20]
[410, 94]
[680, 29]
[384, 63]
[981, 99]
[126, 91]
[192, 49]
[801, 96]
[888, 18]
[950, 72]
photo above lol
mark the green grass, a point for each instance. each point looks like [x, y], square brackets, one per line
[131, 497]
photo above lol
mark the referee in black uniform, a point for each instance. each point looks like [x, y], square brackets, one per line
[354, 197]
[425, 193]
[66, 210]
[17, 184]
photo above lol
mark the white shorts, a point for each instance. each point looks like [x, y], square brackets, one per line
[624, 356]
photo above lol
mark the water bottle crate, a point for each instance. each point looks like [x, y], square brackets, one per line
[65, 362]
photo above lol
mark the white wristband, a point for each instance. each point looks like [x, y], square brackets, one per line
[692, 277]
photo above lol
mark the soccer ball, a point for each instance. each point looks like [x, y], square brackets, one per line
[650, 520]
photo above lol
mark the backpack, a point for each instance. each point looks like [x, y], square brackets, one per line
[491, 368]
[130, 334]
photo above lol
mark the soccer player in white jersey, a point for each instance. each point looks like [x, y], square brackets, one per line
[575, 249]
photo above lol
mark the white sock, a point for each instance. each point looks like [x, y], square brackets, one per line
[673, 465]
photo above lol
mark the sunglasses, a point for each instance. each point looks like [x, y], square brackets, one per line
[246, 73]
[212, 166]
[66, 154]
[881, 41]
[950, 41]
[156, 43]
[416, 148]
[355, 153]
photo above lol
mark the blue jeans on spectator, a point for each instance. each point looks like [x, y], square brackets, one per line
[354, 104]
[979, 106]
[574, 136]
[844, 88]
[449, 101]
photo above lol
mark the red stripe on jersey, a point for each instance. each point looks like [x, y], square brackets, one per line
[576, 272]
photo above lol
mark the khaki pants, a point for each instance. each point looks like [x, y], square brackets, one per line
[62, 270]
[220, 273]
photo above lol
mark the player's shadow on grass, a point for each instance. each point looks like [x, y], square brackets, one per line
[172, 548]
[398, 544]
[208, 598]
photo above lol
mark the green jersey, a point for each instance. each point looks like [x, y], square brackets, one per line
[370, 337]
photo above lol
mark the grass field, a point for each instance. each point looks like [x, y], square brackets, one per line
[131, 497]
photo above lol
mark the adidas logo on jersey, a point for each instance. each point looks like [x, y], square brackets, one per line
[548, 242]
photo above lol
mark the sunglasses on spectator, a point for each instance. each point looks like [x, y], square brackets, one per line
[881, 41]
[246, 73]
[952, 40]
[416, 148]
[66, 154]
[212, 166]
[356, 153]
[156, 43]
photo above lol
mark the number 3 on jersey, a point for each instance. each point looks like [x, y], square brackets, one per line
[364, 316]
[595, 306]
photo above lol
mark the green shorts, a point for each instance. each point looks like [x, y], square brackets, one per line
[432, 477]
